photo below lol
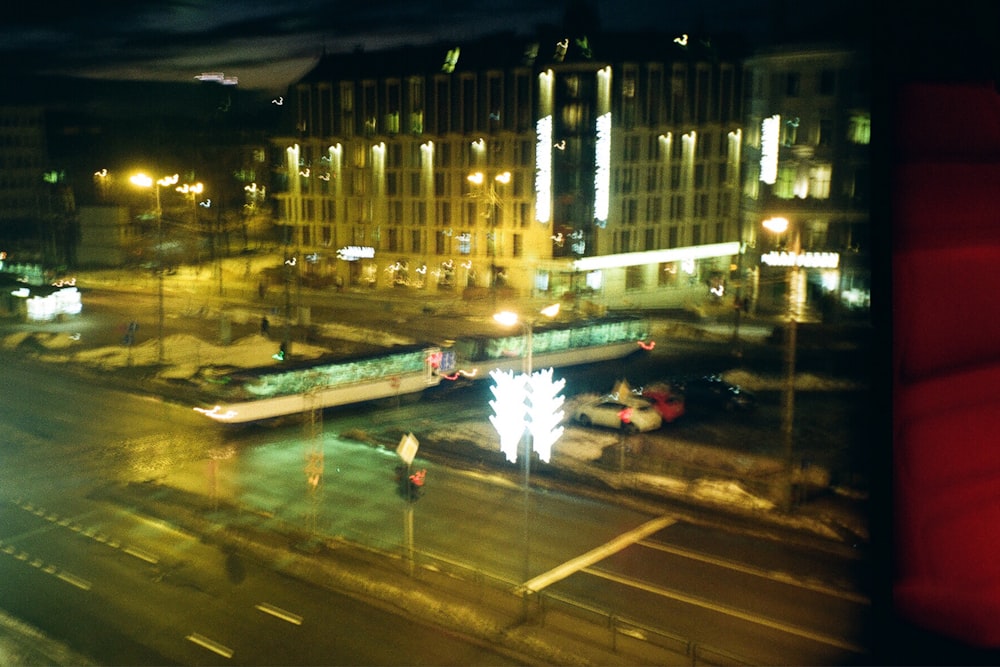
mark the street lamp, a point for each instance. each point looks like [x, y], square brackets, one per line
[495, 206]
[143, 181]
[509, 318]
[778, 226]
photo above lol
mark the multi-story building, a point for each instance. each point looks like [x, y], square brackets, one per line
[541, 165]
[808, 123]
[30, 198]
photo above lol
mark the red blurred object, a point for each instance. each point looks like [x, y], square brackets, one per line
[666, 401]
[946, 361]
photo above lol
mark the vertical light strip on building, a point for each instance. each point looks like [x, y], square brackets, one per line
[602, 149]
[543, 149]
[733, 157]
[378, 169]
[292, 155]
[294, 184]
[543, 170]
[602, 173]
[770, 128]
[336, 165]
[427, 168]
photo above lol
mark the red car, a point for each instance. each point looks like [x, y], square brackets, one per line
[666, 401]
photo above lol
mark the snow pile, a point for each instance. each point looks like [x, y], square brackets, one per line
[579, 446]
[184, 355]
[803, 382]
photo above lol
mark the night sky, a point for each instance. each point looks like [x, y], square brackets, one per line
[268, 44]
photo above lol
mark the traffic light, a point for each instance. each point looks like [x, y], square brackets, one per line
[544, 414]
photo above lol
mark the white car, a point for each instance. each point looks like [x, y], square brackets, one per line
[631, 415]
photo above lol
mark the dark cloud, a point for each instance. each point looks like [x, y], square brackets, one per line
[268, 43]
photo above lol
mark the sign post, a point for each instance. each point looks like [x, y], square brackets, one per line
[407, 450]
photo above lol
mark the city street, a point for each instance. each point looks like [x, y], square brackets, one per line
[69, 442]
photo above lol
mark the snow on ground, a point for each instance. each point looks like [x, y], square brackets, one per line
[579, 447]
[184, 355]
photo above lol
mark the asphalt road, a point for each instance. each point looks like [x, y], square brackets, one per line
[726, 590]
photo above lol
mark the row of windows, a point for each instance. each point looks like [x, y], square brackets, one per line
[444, 243]
[496, 101]
[709, 146]
[412, 183]
[654, 238]
[518, 214]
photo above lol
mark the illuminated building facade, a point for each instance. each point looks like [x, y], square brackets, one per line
[540, 165]
[808, 124]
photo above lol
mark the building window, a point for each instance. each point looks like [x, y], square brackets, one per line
[518, 245]
[633, 277]
[819, 182]
[624, 241]
[464, 243]
[784, 184]
[827, 82]
[395, 212]
[650, 238]
[393, 240]
[667, 274]
[631, 149]
[676, 207]
[825, 132]
[793, 84]
[859, 128]
[392, 122]
[701, 206]
[415, 241]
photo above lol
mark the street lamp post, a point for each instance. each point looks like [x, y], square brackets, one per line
[495, 206]
[144, 181]
[781, 226]
[509, 318]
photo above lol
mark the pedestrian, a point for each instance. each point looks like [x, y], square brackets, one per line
[265, 326]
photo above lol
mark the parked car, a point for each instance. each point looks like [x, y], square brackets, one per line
[665, 399]
[630, 414]
[711, 391]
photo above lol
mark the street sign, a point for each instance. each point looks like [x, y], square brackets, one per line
[407, 448]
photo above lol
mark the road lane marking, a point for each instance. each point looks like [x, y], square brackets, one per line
[278, 612]
[141, 555]
[773, 575]
[74, 580]
[560, 572]
[211, 645]
[729, 611]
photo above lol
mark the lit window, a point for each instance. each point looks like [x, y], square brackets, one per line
[859, 128]
[819, 182]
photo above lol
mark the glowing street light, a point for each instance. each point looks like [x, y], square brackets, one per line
[143, 181]
[530, 403]
[777, 225]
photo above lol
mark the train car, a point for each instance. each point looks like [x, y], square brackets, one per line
[556, 345]
[250, 395]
